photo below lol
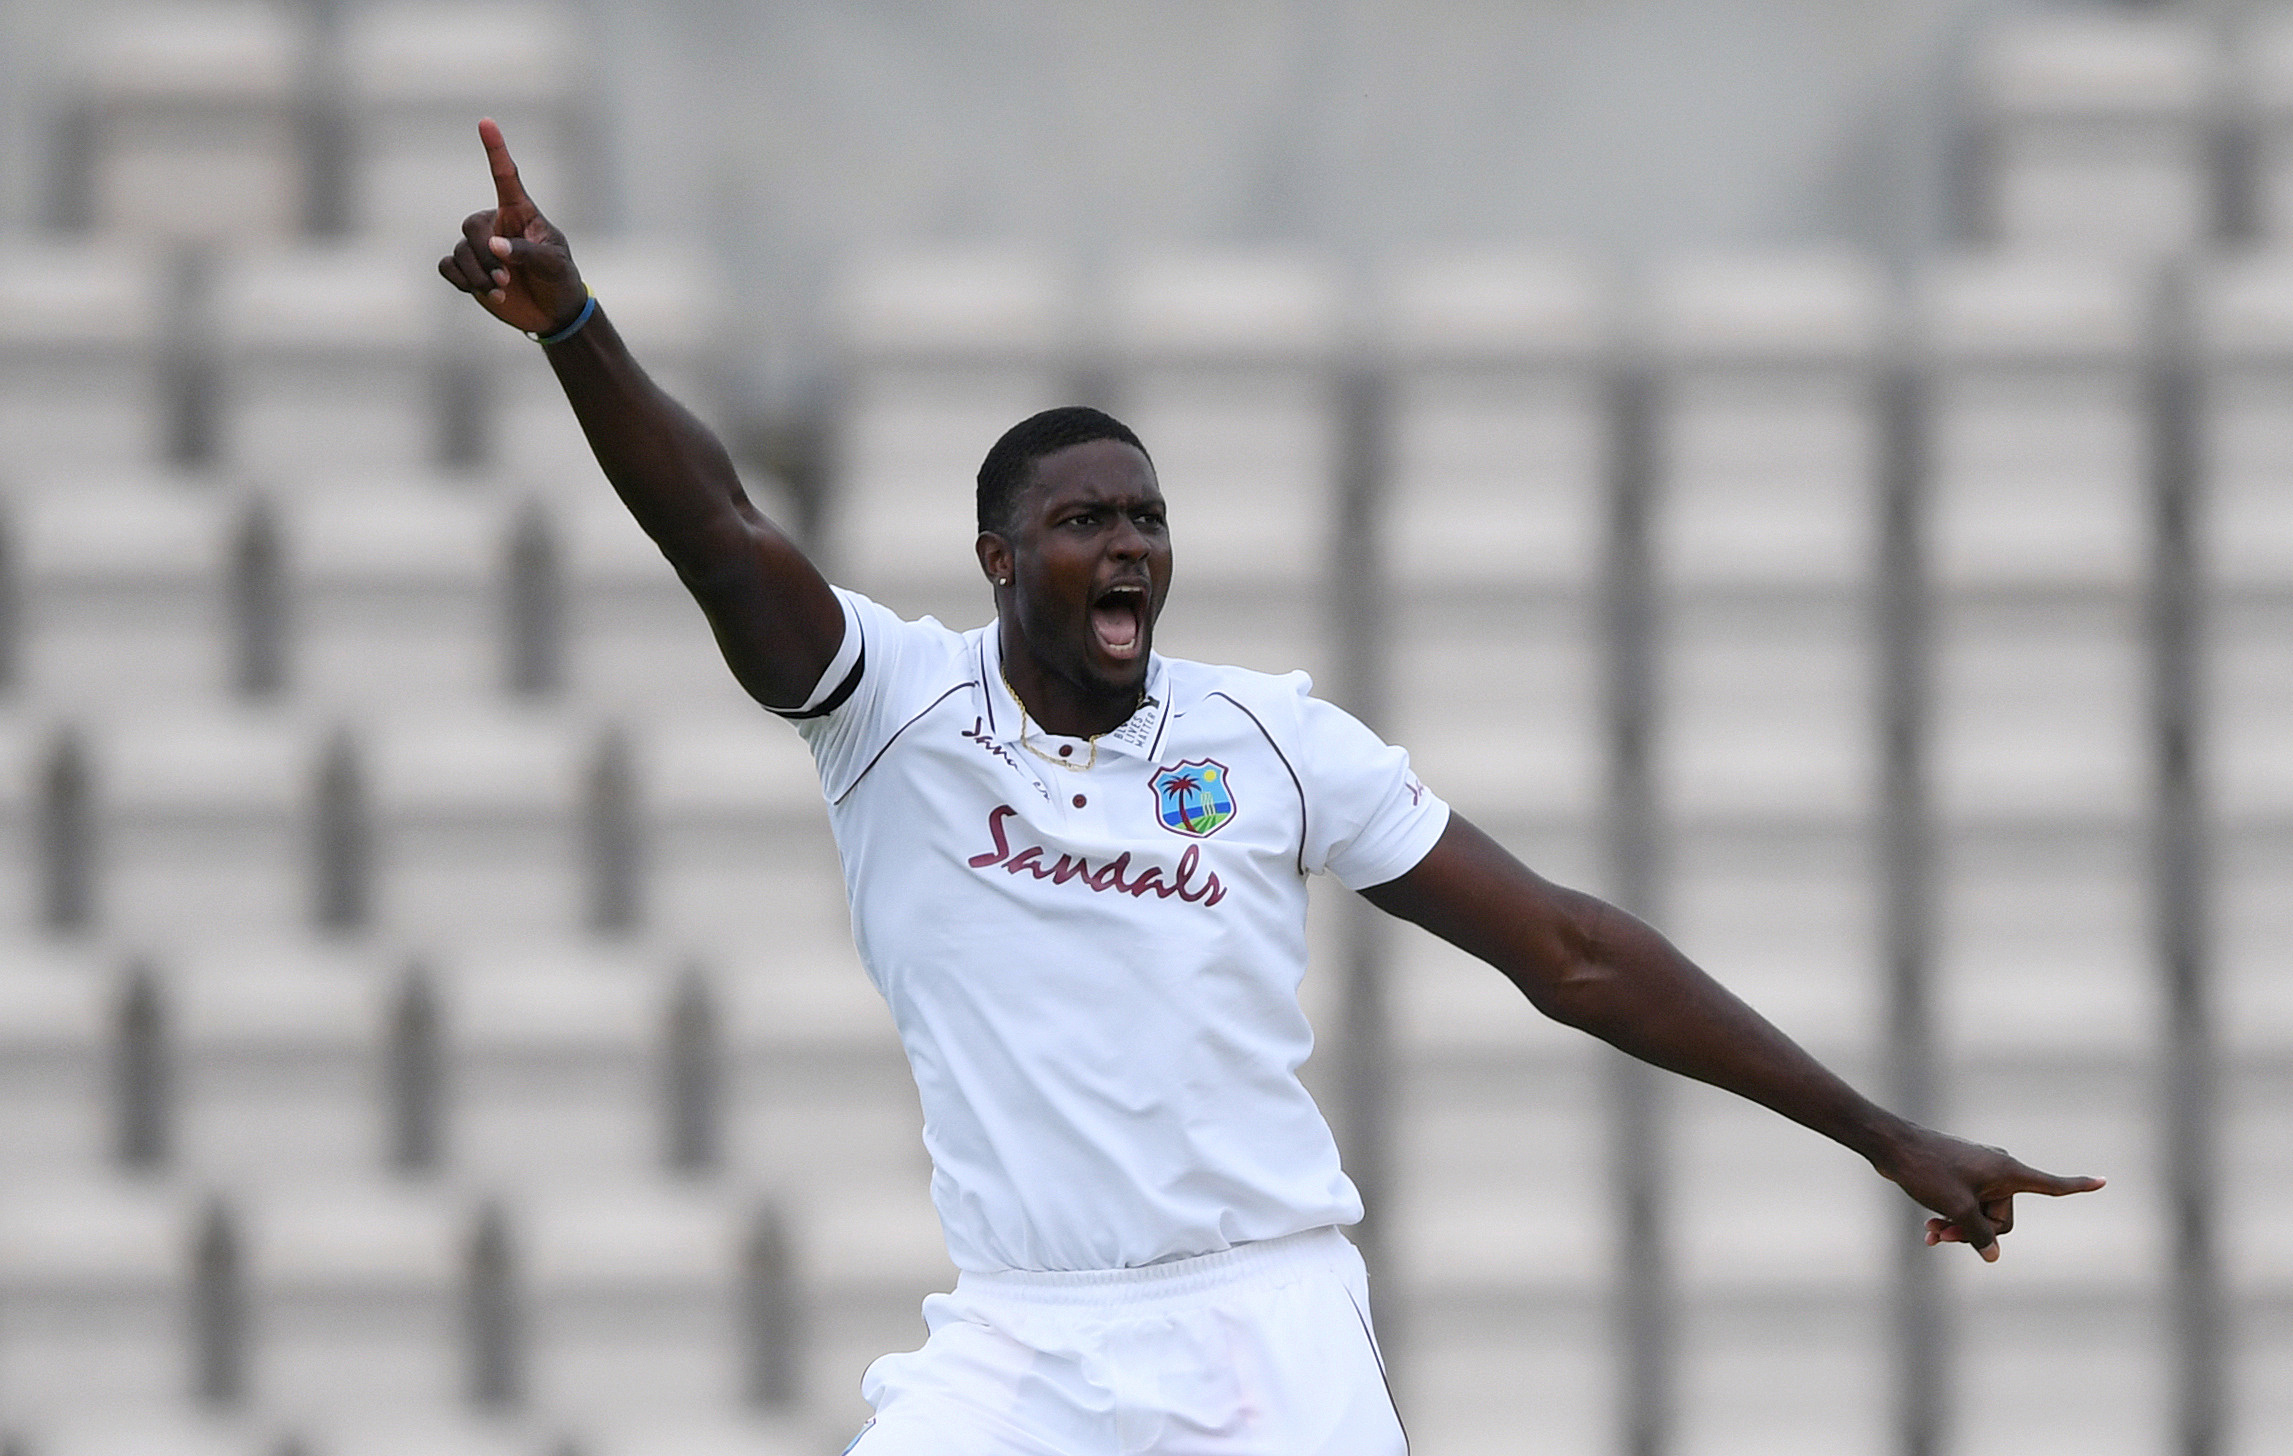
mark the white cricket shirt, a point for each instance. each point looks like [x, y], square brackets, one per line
[1095, 971]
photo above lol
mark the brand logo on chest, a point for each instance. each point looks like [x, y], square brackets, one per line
[1117, 876]
[1193, 798]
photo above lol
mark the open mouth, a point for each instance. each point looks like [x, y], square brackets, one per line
[1118, 621]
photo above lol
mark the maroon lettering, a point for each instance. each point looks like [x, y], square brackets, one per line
[1110, 874]
[1185, 872]
[1002, 851]
[1068, 868]
[1108, 878]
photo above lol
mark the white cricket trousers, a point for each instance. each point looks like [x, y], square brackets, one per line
[1264, 1349]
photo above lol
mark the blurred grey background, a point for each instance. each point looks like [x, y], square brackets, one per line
[1819, 475]
[790, 135]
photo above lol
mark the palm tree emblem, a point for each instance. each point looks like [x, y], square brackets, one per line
[1185, 787]
[1194, 800]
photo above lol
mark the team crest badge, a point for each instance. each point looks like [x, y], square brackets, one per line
[1192, 798]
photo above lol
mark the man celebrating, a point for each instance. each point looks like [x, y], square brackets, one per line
[1078, 877]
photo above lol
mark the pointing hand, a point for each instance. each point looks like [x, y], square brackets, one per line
[1972, 1187]
[510, 258]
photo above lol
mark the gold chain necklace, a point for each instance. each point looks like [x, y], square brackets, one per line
[1068, 764]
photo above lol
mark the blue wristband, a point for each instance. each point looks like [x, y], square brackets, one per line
[588, 307]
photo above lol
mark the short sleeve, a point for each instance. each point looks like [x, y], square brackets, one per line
[885, 672]
[1368, 818]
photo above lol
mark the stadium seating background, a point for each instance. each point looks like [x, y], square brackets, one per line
[1858, 535]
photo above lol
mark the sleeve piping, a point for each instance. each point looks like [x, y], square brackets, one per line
[841, 678]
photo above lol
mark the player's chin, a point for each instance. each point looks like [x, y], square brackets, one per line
[1118, 670]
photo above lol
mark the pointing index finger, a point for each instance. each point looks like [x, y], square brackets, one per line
[509, 192]
[2055, 1185]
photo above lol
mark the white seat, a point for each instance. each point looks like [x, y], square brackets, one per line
[2242, 317]
[2261, 79]
[1766, 709]
[80, 336]
[1806, 1373]
[2043, 944]
[123, 593]
[1501, 1175]
[1767, 426]
[2039, 710]
[1788, 918]
[202, 827]
[2247, 707]
[1498, 421]
[822, 1111]
[738, 851]
[2089, 1377]
[327, 363]
[355, 1301]
[28, 853]
[1538, 1353]
[838, 1130]
[197, 119]
[2259, 1380]
[633, 1302]
[2036, 422]
[2254, 1143]
[669, 301]
[1497, 702]
[94, 1274]
[58, 1022]
[2097, 131]
[637, 644]
[415, 76]
[943, 354]
[868, 1244]
[554, 1067]
[478, 820]
[818, 1091]
[1729, 1159]
[446, 1431]
[395, 594]
[2252, 937]
[1232, 623]
[279, 1075]
[724, 1435]
[1225, 366]
[179, 1430]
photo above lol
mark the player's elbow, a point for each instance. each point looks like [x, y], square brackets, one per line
[1558, 962]
[1573, 992]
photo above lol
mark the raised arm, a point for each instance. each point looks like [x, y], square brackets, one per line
[1586, 963]
[773, 614]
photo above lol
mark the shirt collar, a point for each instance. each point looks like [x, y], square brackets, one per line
[1137, 737]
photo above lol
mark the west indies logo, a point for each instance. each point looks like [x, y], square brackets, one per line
[1192, 798]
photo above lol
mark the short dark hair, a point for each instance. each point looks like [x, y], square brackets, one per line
[1010, 463]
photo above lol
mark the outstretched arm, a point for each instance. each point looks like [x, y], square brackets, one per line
[1588, 964]
[773, 614]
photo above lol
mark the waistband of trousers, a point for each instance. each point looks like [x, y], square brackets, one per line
[1311, 1249]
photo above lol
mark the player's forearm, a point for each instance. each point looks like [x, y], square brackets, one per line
[1637, 992]
[668, 468]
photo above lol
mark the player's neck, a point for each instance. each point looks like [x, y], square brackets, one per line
[1057, 704]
